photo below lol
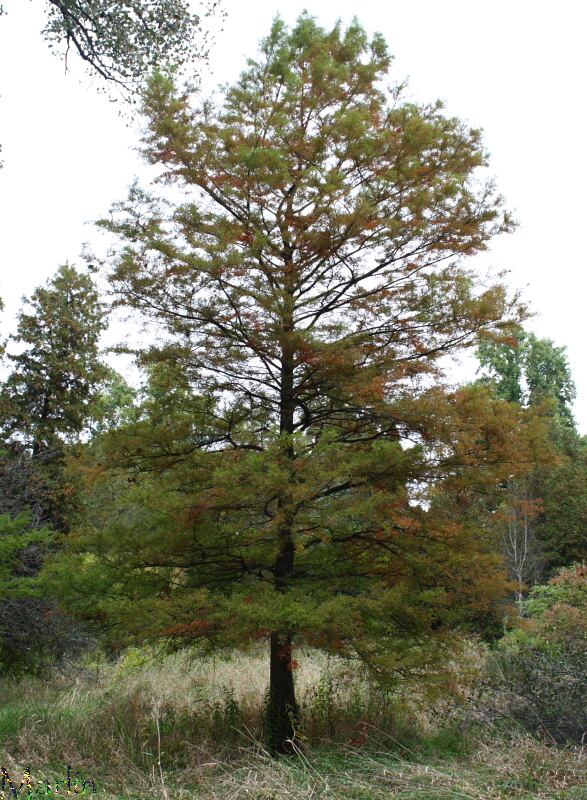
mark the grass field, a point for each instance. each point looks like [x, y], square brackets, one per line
[170, 729]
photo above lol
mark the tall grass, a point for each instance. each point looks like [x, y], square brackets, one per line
[167, 728]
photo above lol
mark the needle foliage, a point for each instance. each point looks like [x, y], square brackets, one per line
[282, 479]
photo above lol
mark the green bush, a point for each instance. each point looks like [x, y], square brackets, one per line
[540, 671]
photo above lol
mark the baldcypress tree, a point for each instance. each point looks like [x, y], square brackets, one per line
[303, 297]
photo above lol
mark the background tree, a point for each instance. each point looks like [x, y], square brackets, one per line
[122, 41]
[305, 295]
[562, 525]
[45, 404]
[57, 375]
[530, 371]
[114, 406]
[544, 516]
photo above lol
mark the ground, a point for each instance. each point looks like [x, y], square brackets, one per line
[173, 730]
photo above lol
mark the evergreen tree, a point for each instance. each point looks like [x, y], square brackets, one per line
[45, 404]
[304, 296]
[48, 397]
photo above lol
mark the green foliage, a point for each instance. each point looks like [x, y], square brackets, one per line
[33, 635]
[504, 362]
[562, 529]
[15, 536]
[190, 551]
[46, 404]
[279, 480]
[34, 498]
[48, 398]
[567, 588]
[541, 669]
[114, 406]
[530, 371]
[543, 515]
[123, 41]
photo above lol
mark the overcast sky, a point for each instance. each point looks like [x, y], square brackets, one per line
[514, 68]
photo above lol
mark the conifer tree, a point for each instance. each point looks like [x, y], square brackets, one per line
[57, 375]
[303, 298]
[45, 404]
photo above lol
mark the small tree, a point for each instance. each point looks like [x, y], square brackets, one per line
[518, 520]
[307, 292]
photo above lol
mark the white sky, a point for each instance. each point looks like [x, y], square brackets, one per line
[516, 68]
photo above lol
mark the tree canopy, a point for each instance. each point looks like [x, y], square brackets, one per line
[546, 517]
[57, 374]
[530, 370]
[281, 479]
[122, 41]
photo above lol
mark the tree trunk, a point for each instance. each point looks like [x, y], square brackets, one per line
[44, 415]
[283, 710]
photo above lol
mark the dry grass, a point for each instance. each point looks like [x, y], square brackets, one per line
[172, 730]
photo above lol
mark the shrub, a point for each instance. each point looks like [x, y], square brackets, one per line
[540, 671]
[34, 635]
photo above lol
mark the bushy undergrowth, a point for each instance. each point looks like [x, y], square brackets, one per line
[542, 687]
[143, 707]
[538, 675]
[168, 728]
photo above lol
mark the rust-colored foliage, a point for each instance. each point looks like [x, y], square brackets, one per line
[312, 463]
